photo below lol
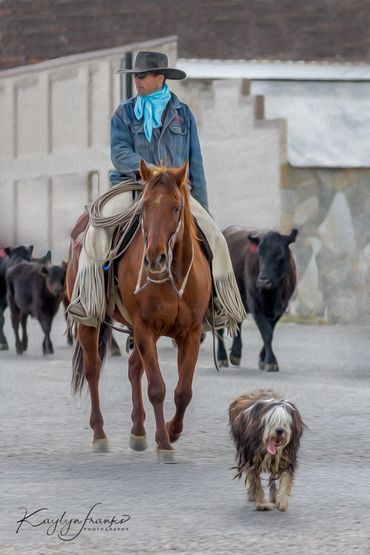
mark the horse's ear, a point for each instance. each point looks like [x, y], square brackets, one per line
[181, 176]
[145, 171]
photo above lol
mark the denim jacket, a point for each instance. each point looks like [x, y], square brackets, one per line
[171, 145]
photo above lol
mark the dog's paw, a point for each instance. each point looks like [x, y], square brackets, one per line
[282, 503]
[264, 506]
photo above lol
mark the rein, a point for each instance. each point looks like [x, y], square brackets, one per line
[171, 243]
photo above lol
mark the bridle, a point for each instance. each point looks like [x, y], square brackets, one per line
[171, 244]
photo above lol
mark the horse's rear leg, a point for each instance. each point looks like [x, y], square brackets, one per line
[146, 345]
[138, 434]
[89, 340]
[188, 350]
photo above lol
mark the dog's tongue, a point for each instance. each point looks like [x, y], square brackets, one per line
[271, 447]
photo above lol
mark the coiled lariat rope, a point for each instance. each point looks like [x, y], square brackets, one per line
[121, 220]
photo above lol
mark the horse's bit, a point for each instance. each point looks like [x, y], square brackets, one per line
[171, 243]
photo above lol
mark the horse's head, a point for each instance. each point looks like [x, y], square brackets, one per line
[165, 211]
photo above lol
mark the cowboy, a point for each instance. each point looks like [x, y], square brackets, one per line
[160, 129]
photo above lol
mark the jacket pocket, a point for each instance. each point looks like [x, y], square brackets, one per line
[137, 128]
[179, 129]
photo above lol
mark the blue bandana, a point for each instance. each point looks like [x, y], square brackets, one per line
[151, 107]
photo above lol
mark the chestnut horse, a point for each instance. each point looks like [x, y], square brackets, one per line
[165, 284]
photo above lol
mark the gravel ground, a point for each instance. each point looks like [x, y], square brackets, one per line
[193, 506]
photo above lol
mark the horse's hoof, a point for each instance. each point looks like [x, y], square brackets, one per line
[272, 367]
[261, 365]
[4, 347]
[235, 360]
[223, 363]
[166, 456]
[100, 445]
[137, 443]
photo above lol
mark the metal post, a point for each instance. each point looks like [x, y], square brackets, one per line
[126, 80]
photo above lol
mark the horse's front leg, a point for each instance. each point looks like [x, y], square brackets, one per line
[135, 372]
[89, 340]
[188, 350]
[145, 343]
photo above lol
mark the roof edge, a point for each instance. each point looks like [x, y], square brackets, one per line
[274, 70]
[91, 55]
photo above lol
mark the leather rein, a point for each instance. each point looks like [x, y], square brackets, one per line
[171, 244]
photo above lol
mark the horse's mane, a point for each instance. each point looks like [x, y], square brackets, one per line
[165, 177]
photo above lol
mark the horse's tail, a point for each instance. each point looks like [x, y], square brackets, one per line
[78, 373]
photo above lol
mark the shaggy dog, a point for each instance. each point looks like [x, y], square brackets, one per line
[266, 430]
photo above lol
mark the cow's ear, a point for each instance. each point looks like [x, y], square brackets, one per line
[254, 239]
[30, 249]
[145, 171]
[8, 251]
[48, 257]
[43, 270]
[292, 236]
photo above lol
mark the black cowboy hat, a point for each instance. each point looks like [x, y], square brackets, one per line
[156, 62]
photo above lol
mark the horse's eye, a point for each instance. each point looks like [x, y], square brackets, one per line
[176, 210]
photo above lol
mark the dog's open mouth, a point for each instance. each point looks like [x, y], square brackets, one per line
[273, 445]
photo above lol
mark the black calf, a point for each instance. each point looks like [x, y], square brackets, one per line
[266, 275]
[34, 290]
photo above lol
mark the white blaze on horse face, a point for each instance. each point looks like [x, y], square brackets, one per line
[158, 199]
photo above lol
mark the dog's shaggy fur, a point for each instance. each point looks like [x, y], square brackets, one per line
[266, 430]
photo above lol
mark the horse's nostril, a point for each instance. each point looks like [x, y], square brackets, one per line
[162, 259]
[146, 260]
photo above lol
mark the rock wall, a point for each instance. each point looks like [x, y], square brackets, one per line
[331, 208]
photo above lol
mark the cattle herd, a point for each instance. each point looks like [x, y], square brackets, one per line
[264, 269]
[30, 287]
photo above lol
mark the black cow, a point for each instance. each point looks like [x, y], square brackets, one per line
[9, 257]
[266, 275]
[34, 289]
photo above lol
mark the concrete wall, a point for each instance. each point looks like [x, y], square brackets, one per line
[244, 154]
